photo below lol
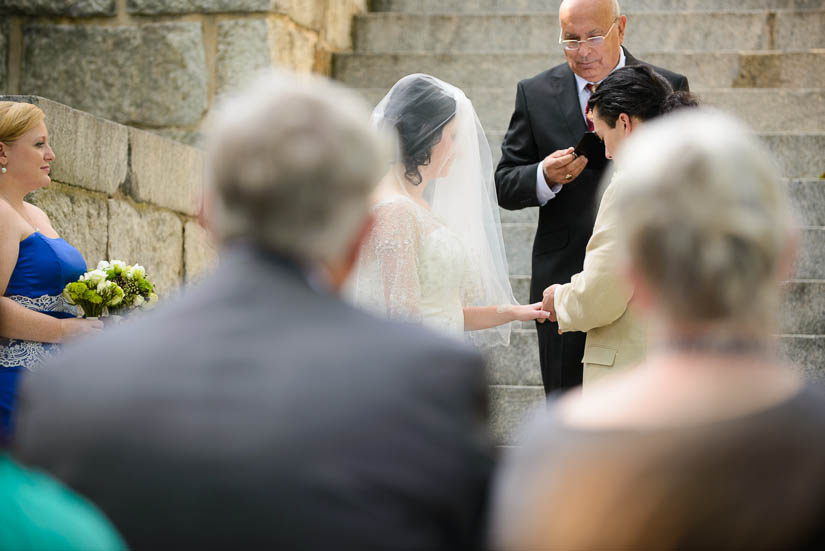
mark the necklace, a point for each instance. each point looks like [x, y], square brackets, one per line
[27, 219]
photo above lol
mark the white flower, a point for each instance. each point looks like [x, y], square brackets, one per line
[138, 300]
[153, 300]
[95, 276]
[136, 272]
[119, 264]
[103, 265]
[102, 287]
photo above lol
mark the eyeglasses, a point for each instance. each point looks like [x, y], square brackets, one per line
[593, 41]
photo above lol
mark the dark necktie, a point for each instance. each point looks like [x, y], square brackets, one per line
[589, 88]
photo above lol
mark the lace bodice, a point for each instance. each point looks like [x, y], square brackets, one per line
[414, 268]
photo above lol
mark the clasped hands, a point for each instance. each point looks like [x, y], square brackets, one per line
[563, 166]
[548, 303]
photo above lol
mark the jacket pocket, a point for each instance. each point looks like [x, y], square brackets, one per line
[550, 241]
[599, 355]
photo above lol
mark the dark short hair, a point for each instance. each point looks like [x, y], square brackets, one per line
[419, 110]
[638, 91]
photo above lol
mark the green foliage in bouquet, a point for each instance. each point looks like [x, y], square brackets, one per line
[93, 293]
[138, 292]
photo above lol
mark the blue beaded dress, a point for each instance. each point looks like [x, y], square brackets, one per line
[44, 266]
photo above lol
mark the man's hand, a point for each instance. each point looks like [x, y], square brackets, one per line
[548, 303]
[563, 166]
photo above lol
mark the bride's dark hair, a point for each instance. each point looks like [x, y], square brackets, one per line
[419, 110]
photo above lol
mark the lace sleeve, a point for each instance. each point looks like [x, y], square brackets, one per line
[395, 243]
[472, 291]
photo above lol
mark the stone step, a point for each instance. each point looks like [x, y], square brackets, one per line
[803, 309]
[510, 407]
[513, 402]
[798, 155]
[765, 109]
[747, 69]
[807, 197]
[552, 6]
[518, 243]
[518, 364]
[539, 32]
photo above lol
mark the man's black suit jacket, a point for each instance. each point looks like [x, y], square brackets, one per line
[257, 412]
[547, 118]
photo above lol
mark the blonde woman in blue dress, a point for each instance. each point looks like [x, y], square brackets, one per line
[35, 262]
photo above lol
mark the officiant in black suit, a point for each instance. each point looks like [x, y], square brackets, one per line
[258, 410]
[538, 167]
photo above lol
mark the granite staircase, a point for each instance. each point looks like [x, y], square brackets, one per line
[763, 60]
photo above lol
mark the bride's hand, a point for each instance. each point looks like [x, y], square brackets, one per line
[530, 312]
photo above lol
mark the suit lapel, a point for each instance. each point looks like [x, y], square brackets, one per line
[564, 89]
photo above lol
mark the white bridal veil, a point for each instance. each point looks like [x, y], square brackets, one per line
[459, 185]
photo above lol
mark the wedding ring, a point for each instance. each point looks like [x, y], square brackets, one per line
[568, 177]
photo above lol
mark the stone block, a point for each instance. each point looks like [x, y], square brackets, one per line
[164, 172]
[799, 30]
[338, 21]
[81, 218]
[291, 47]
[309, 14]
[164, 7]
[810, 263]
[803, 310]
[781, 70]
[153, 74]
[4, 55]
[242, 51]
[798, 155]
[150, 237]
[511, 407]
[808, 197]
[806, 353]
[200, 254]
[90, 152]
[67, 8]
[517, 364]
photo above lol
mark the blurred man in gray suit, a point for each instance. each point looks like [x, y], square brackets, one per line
[259, 409]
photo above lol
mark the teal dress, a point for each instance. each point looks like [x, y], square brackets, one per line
[37, 512]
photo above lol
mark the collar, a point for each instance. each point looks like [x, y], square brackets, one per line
[581, 83]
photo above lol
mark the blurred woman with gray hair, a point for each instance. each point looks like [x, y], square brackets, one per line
[708, 237]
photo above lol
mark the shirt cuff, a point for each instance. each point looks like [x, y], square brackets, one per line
[544, 192]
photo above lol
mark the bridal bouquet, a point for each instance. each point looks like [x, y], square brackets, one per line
[138, 291]
[94, 293]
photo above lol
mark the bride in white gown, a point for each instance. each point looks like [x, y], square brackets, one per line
[435, 254]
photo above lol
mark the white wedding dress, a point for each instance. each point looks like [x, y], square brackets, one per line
[426, 265]
[414, 268]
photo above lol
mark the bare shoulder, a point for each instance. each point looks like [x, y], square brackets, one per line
[11, 223]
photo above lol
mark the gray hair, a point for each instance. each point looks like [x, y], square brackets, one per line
[705, 218]
[291, 162]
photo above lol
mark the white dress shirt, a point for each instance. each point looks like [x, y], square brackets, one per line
[544, 192]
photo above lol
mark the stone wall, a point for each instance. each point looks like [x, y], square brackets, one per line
[160, 65]
[124, 193]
